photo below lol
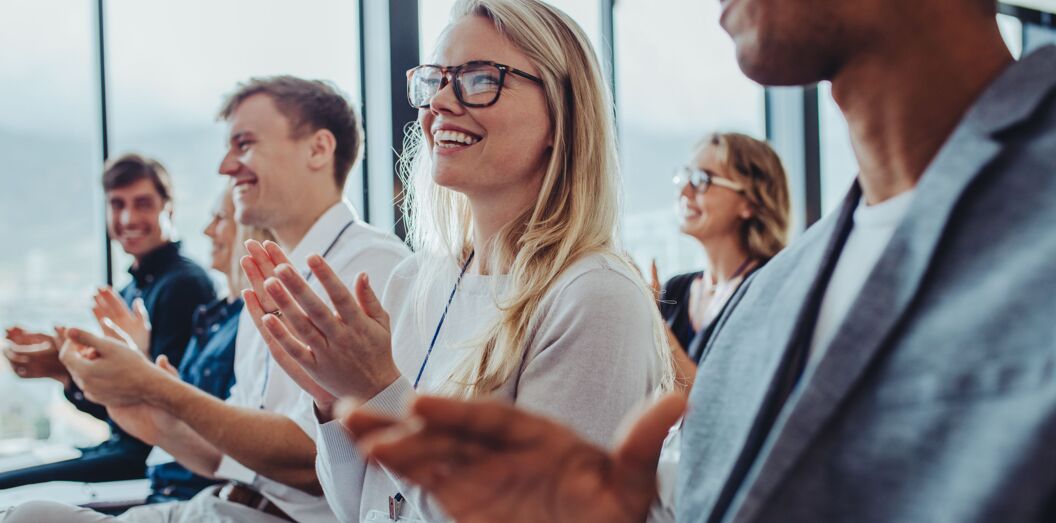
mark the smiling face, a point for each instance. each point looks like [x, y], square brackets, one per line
[716, 212]
[488, 152]
[138, 217]
[222, 230]
[267, 164]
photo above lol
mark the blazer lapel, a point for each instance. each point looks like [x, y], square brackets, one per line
[894, 281]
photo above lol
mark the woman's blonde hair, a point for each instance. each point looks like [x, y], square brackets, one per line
[755, 165]
[574, 215]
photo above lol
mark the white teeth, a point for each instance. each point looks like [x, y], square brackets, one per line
[454, 136]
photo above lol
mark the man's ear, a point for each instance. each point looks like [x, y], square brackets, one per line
[321, 148]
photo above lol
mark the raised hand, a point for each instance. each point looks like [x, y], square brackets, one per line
[345, 349]
[121, 322]
[34, 355]
[258, 266]
[485, 461]
[108, 370]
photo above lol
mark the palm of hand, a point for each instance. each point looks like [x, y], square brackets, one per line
[576, 482]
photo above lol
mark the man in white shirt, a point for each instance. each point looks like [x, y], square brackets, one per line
[292, 143]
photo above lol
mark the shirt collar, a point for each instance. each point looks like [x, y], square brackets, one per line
[323, 233]
[155, 262]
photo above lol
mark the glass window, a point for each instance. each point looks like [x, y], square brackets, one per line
[172, 63]
[677, 80]
[50, 201]
[433, 16]
[838, 164]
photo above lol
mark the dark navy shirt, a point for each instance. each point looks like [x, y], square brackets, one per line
[172, 288]
[208, 364]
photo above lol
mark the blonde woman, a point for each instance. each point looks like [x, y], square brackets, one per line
[733, 199]
[516, 291]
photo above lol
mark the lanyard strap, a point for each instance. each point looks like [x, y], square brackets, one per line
[425, 361]
[307, 278]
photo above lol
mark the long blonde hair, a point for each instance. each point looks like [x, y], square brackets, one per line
[574, 215]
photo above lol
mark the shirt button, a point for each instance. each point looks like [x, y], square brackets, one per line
[215, 328]
[207, 372]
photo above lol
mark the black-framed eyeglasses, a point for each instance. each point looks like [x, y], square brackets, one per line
[700, 180]
[477, 83]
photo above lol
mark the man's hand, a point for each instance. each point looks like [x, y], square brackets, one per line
[34, 355]
[484, 461]
[146, 422]
[108, 371]
[118, 321]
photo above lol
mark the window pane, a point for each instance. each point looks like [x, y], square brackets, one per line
[172, 63]
[433, 16]
[838, 164]
[671, 92]
[50, 201]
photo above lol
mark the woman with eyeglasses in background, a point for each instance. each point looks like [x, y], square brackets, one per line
[733, 199]
[516, 290]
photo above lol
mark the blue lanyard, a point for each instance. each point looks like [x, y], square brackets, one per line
[443, 317]
[307, 278]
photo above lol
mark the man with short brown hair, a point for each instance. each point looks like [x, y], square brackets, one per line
[139, 208]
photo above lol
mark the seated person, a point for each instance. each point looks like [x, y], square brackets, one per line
[734, 200]
[171, 287]
[208, 362]
[292, 143]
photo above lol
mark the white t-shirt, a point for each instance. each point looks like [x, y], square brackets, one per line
[870, 233]
[261, 383]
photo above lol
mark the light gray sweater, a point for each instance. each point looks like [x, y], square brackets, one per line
[592, 357]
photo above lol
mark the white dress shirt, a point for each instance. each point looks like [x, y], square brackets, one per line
[261, 383]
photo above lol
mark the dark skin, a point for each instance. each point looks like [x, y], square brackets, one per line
[487, 446]
[903, 72]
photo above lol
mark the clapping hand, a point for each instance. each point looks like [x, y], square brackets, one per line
[34, 355]
[486, 461]
[108, 370]
[343, 349]
[118, 321]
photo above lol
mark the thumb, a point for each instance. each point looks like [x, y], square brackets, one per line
[164, 364]
[103, 346]
[640, 448]
[368, 301]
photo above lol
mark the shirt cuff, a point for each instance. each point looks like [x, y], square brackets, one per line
[334, 444]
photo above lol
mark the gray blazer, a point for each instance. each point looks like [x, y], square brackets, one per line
[937, 399]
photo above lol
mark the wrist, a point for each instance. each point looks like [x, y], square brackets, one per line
[162, 390]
